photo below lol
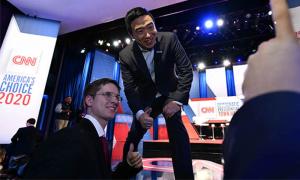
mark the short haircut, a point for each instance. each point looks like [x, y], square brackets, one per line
[95, 86]
[133, 14]
[31, 121]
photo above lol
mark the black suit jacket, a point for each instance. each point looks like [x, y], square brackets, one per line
[26, 140]
[263, 139]
[74, 152]
[173, 72]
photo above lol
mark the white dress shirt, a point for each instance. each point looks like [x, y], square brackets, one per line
[99, 129]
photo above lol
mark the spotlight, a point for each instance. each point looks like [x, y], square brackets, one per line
[127, 40]
[270, 13]
[220, 22]
[201, 66]
[226, 62]
[82, 51]
[248, 16]
[208, 24]
[108, 44]
[239, 59]
[101, 42]
[116, 43]
[197, 28]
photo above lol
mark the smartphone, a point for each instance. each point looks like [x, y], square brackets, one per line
[294, 7]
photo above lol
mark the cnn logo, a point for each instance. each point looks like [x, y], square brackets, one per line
[23, 60]
[208, 110]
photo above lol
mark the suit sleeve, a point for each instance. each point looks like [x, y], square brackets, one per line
[262, 139]
[184, 72]
[14, 139]
[124, 171]
[130, 87]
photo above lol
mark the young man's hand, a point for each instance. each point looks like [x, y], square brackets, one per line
[134, 159]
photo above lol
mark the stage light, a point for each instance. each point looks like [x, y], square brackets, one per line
[106, 50]
[208, 24]
[248, 16]
[270, 13]
[116, 43]
[127, 40]
[197, 28]
[239, 59]
[220, 22]
[101, 42]
[82, 51]
[108, 44]
[201, 66]
[226, 62]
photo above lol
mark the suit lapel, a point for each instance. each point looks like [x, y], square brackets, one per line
[140, 60]
[91, 130]
[157, 56]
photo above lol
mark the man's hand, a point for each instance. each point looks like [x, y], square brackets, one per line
[276, 64]
[145, 119]
[134, 159]
[170, 109]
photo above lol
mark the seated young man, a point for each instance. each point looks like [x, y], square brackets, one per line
[81, 151]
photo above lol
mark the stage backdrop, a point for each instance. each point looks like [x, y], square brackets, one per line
[294, 6]
[25, 58]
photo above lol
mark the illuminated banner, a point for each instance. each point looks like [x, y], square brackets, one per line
[219, 108]
[294, 6]
[25, 58]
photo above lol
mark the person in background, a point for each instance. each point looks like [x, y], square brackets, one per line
[157, 76]
[262, 140]
[26, 139]
[23, 144]
[81, 151]
[63, 112]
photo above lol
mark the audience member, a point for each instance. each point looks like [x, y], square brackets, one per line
[63, 113]
[26, 140]
[157, 76]
[23, 144]
[262, 139]
[81, 151]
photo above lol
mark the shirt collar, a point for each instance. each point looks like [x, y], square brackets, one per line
[145, 50]
[99, 129]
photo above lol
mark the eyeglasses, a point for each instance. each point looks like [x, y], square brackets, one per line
[110, 95]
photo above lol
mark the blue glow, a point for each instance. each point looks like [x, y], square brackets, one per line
[209, 24]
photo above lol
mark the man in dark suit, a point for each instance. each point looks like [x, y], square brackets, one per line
[26, 139]
[23, 144]
[157, 76]
[81, 151]
[262, 141]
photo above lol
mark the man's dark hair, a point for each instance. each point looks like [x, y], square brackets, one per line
[31, 121]
[133, 14]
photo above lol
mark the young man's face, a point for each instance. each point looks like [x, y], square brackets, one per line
[144, 31]
[105, 103]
